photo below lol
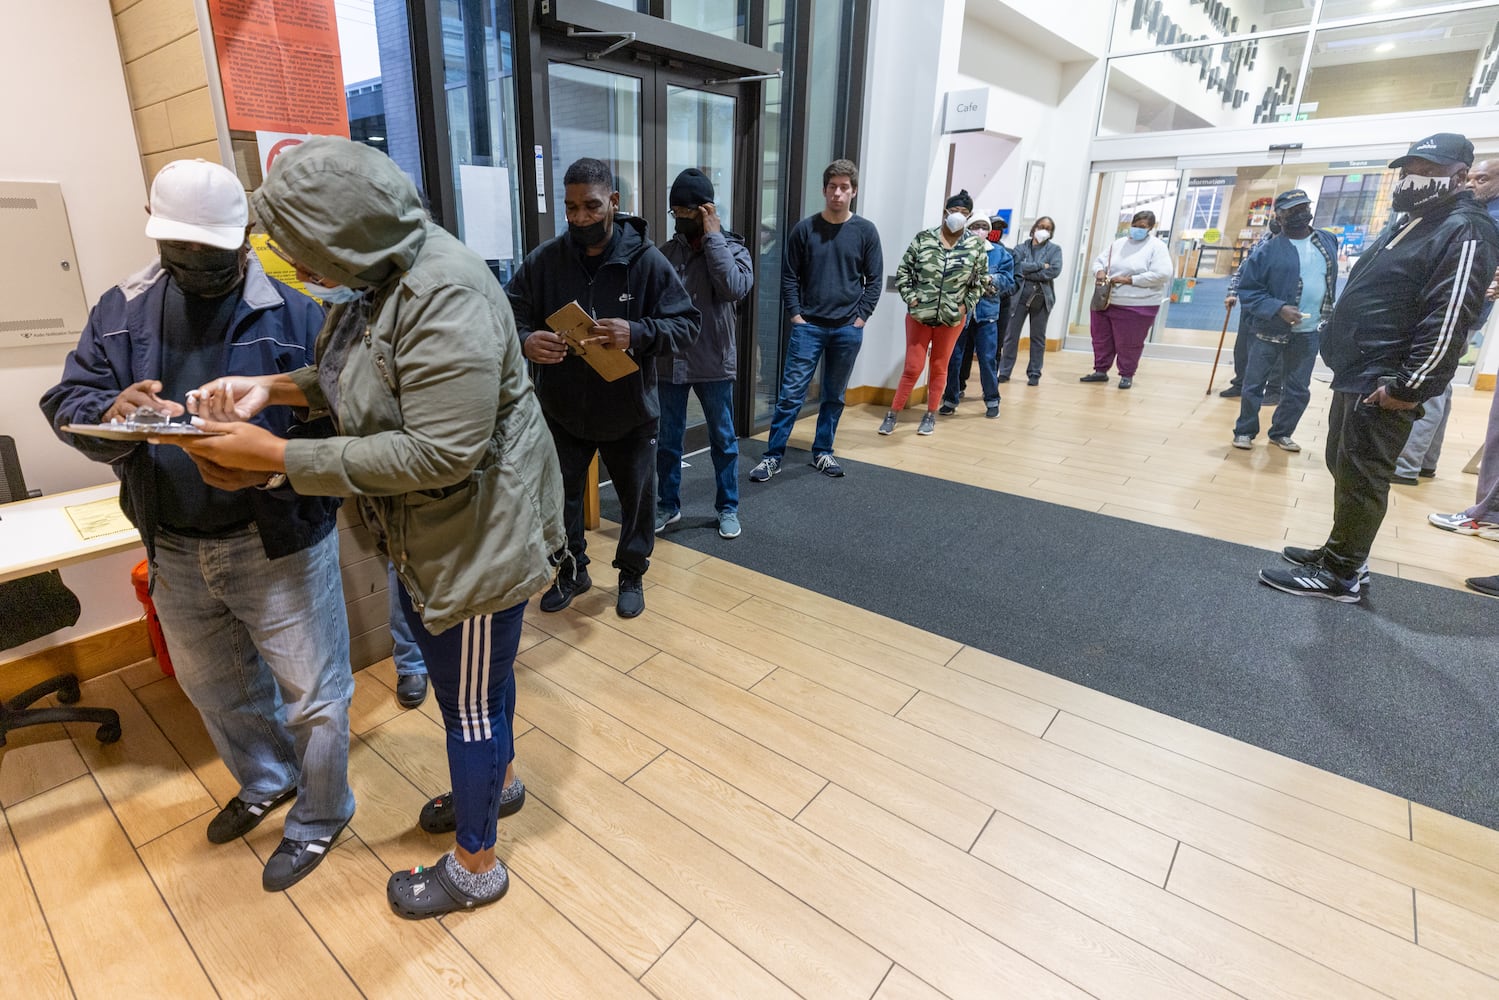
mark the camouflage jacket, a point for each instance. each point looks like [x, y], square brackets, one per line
[941, 284]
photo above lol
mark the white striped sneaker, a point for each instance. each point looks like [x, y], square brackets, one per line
[1313, 581]
[294, 860]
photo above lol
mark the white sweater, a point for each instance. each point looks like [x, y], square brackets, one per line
[1148, 264]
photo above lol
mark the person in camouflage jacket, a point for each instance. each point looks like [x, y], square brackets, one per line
[941, 277]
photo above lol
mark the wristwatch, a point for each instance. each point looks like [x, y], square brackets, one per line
[276, 479]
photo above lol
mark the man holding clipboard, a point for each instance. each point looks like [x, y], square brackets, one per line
[602, 269]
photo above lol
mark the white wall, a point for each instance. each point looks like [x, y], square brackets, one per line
[1040, 109]
[67, 119]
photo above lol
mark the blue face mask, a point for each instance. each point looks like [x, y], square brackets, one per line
[337, 294]
[1136, 233]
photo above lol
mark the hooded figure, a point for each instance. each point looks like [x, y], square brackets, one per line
[441, 439]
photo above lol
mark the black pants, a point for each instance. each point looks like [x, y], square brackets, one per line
[1363, 443]
[1038, 311]
[630, 462]
[1277, 377]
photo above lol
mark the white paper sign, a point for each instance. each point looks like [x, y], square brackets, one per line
[487, 227]
[273, 144]
[966, 111]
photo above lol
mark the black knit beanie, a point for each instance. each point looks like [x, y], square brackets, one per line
[960, 200]
[691, 189]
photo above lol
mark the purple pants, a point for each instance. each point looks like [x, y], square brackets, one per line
[1120, 331]
[1487, 506]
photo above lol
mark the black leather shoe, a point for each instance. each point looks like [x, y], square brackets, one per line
[631, 600]
[240, 817]
[1232, 392]
[564, 589]
[411, 690]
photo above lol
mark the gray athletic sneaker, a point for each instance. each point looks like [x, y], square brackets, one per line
[887, 426]
[666, 517]
[768, 467]
[928, 423]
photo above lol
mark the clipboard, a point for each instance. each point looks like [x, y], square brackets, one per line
[572, 324]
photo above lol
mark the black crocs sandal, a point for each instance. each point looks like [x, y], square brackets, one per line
[430, 892]
[439, 816]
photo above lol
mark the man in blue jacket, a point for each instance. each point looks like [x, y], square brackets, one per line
[981, 335]
[1393, 342]
[606, 264]
[244, 571]
[1286, 289]
[716, 269]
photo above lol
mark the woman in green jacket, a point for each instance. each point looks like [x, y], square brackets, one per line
[941, 276]
[441, 441]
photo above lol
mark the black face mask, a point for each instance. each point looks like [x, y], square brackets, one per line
[1416, 194]
[591, 235]
[1296, 220]
[689, 228]
[206, 273]
[1274, 227]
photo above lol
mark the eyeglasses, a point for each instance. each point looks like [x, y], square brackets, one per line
[273, 248]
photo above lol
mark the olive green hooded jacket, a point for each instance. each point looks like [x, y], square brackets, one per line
[439, 432]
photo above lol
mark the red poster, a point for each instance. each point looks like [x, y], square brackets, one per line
[280, 67]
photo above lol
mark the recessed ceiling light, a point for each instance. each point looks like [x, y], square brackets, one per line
[1385, 47]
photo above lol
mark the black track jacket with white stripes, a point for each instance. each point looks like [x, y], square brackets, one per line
[1404, 314]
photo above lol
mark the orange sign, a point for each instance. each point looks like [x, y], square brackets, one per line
[280, 66]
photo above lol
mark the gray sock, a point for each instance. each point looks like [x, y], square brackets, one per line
[484, 885]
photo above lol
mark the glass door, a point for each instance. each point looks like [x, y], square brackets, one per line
[594, 112]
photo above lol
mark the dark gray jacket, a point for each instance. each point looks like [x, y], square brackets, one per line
[1037, 265]
[717, 275]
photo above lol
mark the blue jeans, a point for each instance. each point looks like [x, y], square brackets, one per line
[984, 339]
[261, 648]
[472, 668]
[806, 346]
[717, 399]
[406, 653]
[1300, 354]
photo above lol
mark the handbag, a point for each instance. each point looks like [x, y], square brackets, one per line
[1102, 292]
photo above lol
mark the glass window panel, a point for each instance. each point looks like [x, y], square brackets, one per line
[1396, 67]
[700, 133]
[824, 110]
[1227, 85]
[594, 113]
[639, 6]
[1335, 10]
[769, 318]
[726, 18]
[1145, 24]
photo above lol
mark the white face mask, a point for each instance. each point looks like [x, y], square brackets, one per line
[955, 222]
[1042, 235]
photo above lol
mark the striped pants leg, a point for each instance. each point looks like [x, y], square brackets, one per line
[472, 670]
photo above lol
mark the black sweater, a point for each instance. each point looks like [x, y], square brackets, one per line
[832, 273]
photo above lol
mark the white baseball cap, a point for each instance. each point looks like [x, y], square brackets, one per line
[195, 201]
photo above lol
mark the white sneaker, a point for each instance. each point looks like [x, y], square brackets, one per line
[1462, 524]
[1285, 444]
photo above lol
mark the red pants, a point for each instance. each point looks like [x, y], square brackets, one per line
[921, 339]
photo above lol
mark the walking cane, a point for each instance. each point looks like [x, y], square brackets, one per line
[1227, 311]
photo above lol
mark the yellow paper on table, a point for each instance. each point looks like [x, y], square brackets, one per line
[572, 324]
[100, 518]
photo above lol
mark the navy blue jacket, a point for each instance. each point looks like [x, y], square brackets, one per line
[1271, 278]
[273, 330]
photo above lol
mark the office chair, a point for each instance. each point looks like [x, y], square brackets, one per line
[34, 606]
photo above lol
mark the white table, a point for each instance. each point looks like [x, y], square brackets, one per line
[38, 535]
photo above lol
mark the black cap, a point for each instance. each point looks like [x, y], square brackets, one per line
[691, 189]
[960, 200]
[1444, 148]
[1287, 199]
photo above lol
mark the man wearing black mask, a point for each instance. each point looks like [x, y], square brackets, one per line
[1243, 338]
[245, 580]
[606, 264]
[715, 267]
[1287, 290]
[1393, 341]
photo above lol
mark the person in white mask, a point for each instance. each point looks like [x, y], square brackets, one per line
[941, 276]
[1038, 262]
[1138, 266]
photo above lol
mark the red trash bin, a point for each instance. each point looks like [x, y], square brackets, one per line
[141, 577]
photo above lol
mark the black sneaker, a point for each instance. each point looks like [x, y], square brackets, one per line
[240, 817]
[1427, 473]
[631, 599]
[947, 409]
[991, 411]
[1033, 380]
[1313, 581]
[439, 816]
[1232, 392]
[564, 589]
[294, 860]
[1125, 381]
[1002, 378]
[1487, 585]
[1095, 377]
[1297, 556]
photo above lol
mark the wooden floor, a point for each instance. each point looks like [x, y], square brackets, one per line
[756, 791]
